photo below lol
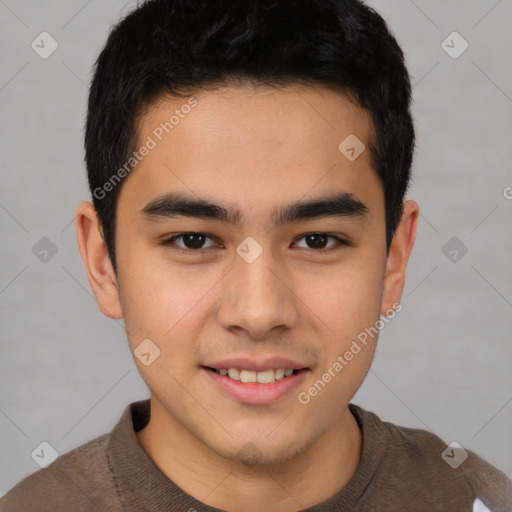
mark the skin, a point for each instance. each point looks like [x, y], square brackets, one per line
[253, 148]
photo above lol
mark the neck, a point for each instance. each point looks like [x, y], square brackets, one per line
[310, 477]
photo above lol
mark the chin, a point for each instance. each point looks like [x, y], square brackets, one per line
[261, 452]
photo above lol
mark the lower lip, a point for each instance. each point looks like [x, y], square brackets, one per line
[254, 393]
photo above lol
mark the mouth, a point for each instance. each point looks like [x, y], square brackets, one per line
[252, 377]
[256, 387]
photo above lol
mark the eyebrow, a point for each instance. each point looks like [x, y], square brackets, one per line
[171, 205]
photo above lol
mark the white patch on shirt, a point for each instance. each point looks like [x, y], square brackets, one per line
[478, 506]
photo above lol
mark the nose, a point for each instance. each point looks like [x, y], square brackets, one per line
[258, 298]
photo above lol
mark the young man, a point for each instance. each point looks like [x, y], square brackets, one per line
[248, 163]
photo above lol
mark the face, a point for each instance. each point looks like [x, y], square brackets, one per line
[222, 274]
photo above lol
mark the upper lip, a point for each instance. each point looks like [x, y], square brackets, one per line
[257, 365]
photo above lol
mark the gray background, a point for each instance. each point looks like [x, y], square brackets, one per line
[443, 363]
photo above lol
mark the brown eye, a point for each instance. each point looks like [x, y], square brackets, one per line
[192, 242]
[318, 242]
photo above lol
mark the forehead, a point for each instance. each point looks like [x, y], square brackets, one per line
[266, 115]
[250, 146]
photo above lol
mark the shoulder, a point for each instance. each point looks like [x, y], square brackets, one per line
[448, 470]
[80, 480]
[419, 464]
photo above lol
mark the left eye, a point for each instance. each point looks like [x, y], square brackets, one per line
[194, 242]
[319, 241]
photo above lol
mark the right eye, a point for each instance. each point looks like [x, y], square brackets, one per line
[192, 242]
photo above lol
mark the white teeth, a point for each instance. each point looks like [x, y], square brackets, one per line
[264, 377]
[279, 373]
[234, 373]
[247, 376]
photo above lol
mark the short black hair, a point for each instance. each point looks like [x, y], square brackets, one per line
[175, 47]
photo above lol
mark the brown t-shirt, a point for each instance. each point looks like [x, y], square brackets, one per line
[401, 469]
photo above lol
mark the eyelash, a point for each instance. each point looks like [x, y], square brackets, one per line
[170, 241]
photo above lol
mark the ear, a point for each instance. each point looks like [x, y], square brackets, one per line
[398, 256]
[96, 260]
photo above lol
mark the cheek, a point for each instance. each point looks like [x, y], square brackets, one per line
[348, 296]
[349, 305]
[164, 309]
[163, 303]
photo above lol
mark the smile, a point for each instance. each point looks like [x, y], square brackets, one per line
[250, 376]
[263, 387]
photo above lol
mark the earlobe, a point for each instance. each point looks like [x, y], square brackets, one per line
[398, 256]
[96, 260]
